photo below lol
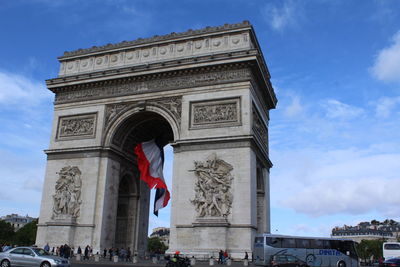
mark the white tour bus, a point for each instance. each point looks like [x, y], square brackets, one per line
[391, 250]
[308, 251]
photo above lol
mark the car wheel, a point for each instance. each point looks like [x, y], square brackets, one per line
[45, 264]
[5, 263]
[341, 264]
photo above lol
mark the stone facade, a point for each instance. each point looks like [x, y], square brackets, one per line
[207, 93]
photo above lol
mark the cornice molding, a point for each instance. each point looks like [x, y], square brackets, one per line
[156, 38]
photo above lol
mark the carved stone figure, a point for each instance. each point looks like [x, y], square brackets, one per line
[214, 179]
[67, 199]
[82, 125]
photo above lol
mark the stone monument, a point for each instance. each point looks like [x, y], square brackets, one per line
[207, 93]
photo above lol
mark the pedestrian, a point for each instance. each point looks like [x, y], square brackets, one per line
[220, 257]
[246, 256]
[128, 254]
[87, 250]
[225, 255]
[105, 253]
[47, 247]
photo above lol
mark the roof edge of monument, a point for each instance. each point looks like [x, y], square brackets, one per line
[156, 38]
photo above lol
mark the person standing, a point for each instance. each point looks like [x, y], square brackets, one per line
[220, 257]
[79, 252]
[87, 250]
[225, 255]
[47, 247]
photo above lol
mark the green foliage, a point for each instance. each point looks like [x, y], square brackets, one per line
[6, 232]
[26, 236]
[154, 245]
[370, 248]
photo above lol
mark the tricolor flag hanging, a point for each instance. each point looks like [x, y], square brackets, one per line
[150, 160]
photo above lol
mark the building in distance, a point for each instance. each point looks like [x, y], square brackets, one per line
[17, 221]
[388, 230]
[162, 233]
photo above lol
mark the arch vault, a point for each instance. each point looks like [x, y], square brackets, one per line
[207, 93]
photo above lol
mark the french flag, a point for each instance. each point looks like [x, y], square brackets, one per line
[150, 161]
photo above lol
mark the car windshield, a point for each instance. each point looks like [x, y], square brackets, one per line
[40, 251]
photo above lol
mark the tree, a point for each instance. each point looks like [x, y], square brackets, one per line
[375, 222]
[26, 236]
[370, 248]
[154, 245]
[6, 232]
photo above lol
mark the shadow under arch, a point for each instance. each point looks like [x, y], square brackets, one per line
[138, 116]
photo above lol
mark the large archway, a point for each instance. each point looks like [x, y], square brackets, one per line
[133, 201]
[208, 93]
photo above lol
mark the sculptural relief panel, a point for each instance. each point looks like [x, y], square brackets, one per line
[67, 197]
[213, 197]
[216, 113]
[77, 126]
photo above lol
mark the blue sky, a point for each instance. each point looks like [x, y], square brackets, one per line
[335, 67]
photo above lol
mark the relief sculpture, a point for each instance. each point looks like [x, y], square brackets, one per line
[218, 113]
[67, 199]
[77, 126]
[213, 197]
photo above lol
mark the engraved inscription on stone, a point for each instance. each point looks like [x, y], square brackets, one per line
[67, 199]
[213, 197]
[218, 113]
[80, 126]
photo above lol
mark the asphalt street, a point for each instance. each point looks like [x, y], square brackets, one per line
[148, 263]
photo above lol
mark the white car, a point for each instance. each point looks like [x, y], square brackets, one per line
[29, 257]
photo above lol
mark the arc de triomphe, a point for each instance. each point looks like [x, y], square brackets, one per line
[207, 93]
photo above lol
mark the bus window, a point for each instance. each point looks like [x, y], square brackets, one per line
[303, 243]
[274, 242]
[392, 246]
[327, 244]
[317, 243]
[288, 243]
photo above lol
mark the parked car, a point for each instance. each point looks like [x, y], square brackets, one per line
[32, 257]
[287, 261]
[393, 262]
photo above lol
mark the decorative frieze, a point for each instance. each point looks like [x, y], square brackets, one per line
[78, 126]
[213, 187]
[216, 113]
[131, 86]
[67, 197]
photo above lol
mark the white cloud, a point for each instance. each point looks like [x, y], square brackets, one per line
[18, 90]
[340, 182]
[295, 108]
[282, 17]
[338, 110]
[386, 105]
[387, 64]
